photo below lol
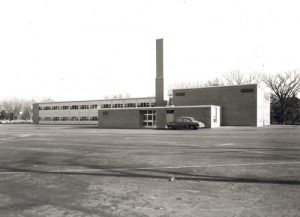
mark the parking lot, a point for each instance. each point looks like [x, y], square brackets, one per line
[86, 171]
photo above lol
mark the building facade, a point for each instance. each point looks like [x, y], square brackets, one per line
[243, 105]
[157, 117]
[82, 112]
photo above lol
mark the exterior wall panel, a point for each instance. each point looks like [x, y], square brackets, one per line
[119, 118]
[35, 116]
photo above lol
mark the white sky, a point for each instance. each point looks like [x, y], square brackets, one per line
[77, 50]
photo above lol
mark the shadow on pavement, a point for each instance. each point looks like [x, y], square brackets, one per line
[153, 174]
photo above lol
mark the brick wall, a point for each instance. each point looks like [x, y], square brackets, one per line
[238, 103]
[119, 118]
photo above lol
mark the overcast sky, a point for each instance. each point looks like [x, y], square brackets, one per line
[77, 50]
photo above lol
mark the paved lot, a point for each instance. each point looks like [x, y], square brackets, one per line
[85, 171]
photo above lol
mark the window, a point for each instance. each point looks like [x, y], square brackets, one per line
[64, 118]
[94, 118]
[40, 108]
[65, 107]
[144, 104]
[106, 106]
[74, 118]
[180, 94]
[84, 118]
[84, 107]
[247, 90]
[93, 106]
[74, 107]
[47, 119]
[55, 118]
[117, 105]
[55, 107]
[170, 111]
[149, 118]
[130, 105]
[47, 108]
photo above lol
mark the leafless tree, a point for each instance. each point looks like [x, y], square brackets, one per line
[285, 87]
[43, 100]
[17, 108]
[118, 96]
[13, 107]
[227, 79]
[238, 78]
[213, 83]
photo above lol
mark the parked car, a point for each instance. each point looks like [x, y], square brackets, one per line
[185, 123]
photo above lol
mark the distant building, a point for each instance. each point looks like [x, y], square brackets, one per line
[242, 105]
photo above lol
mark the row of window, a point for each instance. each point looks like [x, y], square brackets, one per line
[82, 107]
[66, 107]
[128, 105]
[83, 118]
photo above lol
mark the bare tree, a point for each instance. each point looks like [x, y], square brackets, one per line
[238, 78]
[227, 79]
[285, 88]
[43, 100]
[13, 107]
[118, 96]
[17, 108]
[213, 83]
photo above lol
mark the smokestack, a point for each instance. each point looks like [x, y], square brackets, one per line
[159, 81]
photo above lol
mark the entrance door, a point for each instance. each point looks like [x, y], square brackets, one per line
[170, 115]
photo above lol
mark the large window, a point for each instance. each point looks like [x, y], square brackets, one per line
[149, 118]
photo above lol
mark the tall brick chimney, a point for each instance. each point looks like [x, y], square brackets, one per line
[159, 81]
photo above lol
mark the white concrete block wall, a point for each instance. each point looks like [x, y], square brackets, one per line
[89, 113]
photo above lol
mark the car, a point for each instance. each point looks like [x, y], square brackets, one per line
[185, 123]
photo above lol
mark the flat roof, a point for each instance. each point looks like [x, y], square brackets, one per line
[161, 107]
[227, 86]
[99, 100]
